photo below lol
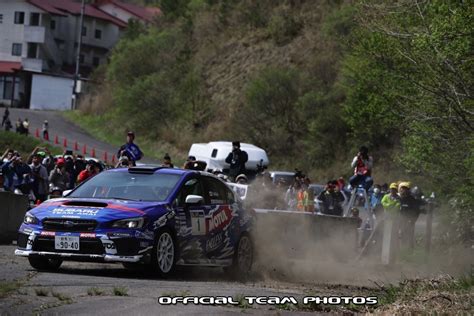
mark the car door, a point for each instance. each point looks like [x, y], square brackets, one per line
[220, 221]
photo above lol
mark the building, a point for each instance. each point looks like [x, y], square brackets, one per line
[127, 11]
[39, 40]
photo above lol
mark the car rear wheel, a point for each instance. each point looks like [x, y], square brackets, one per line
[243, 258]
[164, 254]
[44, 263]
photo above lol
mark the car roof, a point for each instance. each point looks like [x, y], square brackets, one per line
[157, 169]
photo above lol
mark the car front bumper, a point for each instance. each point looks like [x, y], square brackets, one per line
[74, 256]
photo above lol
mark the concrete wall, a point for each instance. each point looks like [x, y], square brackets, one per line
[12, 209]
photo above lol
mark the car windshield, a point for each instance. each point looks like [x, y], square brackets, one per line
[127, 186]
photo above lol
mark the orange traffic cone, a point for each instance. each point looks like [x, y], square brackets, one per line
[56, 140]
[105, 156]
[65, 142]
[76, 146]
[37, 134]
[93, 153]
[113, 159]
[84, 150]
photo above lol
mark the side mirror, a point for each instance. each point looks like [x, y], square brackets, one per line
[66, 192]
[194, 199]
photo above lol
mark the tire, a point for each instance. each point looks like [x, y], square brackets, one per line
[164, 255]
[243, 258]
[45, 263]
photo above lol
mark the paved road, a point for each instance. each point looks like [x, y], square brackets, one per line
[67, 290]
[59, 126]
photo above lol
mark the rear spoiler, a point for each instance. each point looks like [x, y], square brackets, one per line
[147, 169]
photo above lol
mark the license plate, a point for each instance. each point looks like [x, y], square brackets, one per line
[66, 243]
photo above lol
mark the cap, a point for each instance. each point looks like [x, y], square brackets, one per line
[41, 154]
[130, 133]
[393, 186]
[60, 162]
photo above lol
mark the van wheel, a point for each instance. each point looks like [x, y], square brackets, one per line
[164, 254]
[44, 263]
[243, 258]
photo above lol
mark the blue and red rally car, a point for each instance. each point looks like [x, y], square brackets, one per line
[159, 217]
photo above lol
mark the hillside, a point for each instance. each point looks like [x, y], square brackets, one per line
[309, 81]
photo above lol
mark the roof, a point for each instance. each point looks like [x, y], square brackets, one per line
[9, 66]
[64, 7]
[143, 13]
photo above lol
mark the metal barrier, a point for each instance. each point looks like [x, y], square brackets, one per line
[12, 209]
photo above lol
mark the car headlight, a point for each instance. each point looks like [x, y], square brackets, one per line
[30, 219]
[136, 222]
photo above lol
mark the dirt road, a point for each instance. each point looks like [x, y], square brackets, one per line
[59, 126]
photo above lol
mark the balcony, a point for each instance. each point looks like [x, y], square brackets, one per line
[34, 34]
[34, 64]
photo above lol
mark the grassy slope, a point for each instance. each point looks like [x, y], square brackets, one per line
[23, 144]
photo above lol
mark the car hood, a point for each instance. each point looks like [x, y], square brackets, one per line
[100, 210]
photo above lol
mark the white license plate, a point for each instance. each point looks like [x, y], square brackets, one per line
[66, 243]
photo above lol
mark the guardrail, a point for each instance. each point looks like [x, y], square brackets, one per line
[12, 209]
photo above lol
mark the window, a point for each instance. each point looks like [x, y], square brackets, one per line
[216, 191]
[96, 61]
[84, 31]
[34, 19]
[52, 24]
[81, 58]
[19, 17]
[214, 153]
[32, 50]
[16, 49]
[6, 87]
[191, 187]
[98, 34]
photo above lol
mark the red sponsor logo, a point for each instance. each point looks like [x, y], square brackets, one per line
[219, 219]
[87, 235]
[48, 233]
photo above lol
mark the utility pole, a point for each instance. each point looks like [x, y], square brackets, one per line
[78, 57]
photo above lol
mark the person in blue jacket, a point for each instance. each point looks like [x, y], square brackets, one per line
[130, 149]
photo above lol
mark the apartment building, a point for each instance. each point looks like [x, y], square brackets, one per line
[38, 47]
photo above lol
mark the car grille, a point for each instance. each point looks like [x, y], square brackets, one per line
[86, 246]
[69, 225]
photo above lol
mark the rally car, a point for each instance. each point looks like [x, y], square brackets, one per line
[158, 217]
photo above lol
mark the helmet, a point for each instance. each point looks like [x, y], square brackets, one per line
[393, 186]
[404, 184]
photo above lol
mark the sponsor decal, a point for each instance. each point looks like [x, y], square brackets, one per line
[214, 242]
[118, 234]
[87, 235]
[109, 247]
[48, 233]
[75, 211]
[27, 231]
[218, 219]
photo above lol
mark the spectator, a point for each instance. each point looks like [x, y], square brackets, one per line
[241, 179]
[237, 159]
[6, 116]
[45, 130]
[124, 162]
[19, 126]
[308, 196]
[167, 161]
[362, 164]
[341, 184]
[26, 126]
[40, 178]
[188, 164]
[91, 170]
[355, 214]
[17, 175]
[130, 149]
[331, 200]
[391, 201]
[59, 177]
[409, 211]
[291, 195]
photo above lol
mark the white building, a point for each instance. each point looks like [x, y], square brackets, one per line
[39, 38]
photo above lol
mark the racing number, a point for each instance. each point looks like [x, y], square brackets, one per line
[198, 225]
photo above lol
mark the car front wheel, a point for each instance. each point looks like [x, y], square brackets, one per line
[164, 254]
[44, 263]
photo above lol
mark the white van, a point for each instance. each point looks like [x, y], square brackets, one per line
[215, 153]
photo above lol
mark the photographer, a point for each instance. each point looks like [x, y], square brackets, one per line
[362, 164]
[59, 177]
[40, 178]
[237, 159]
